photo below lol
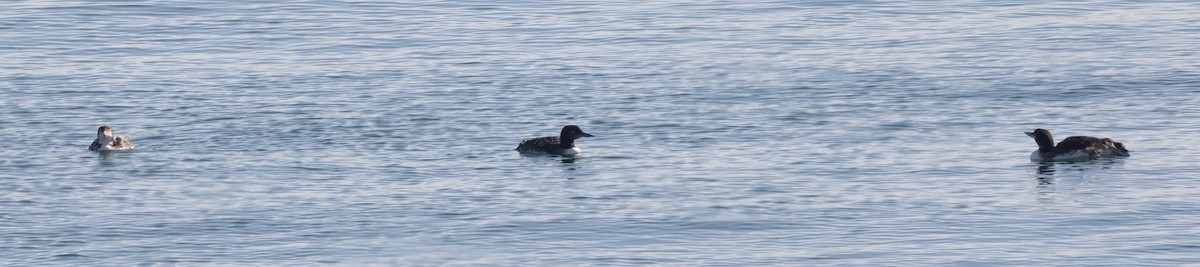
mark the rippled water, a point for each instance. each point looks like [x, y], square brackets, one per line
[727, 133]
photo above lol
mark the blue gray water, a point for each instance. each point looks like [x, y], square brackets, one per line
[727, 132]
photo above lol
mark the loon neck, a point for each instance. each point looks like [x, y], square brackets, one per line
[105, 139]
[1045, 145]
[1045, 149]
[566, 142]
[1044, 140]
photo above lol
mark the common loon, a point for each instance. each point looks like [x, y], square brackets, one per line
[563, 144]
[105, 140]
[1075, 148]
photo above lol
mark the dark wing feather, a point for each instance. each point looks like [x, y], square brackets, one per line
[540, 144]
[1075, 142]
[1121, 147]
[1092, 145]
[120, 142]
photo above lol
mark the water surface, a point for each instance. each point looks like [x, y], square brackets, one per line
[727, 133]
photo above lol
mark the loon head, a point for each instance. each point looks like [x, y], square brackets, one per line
[105, 134]
[1044, 140]
[571, 132]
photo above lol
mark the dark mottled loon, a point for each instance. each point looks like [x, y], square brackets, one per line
[563, 144]
[1075, 148]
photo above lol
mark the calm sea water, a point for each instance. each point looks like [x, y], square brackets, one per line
[727, 132]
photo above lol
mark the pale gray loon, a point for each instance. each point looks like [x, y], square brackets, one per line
[105, 140]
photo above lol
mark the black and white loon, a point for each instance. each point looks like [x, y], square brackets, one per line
[105, 140]
[563, 144]
[1075, 148]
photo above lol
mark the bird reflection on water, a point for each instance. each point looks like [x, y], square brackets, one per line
[107, 154]
[1047, 172]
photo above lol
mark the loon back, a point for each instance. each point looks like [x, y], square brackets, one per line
[548, 144]
[1097, 147]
